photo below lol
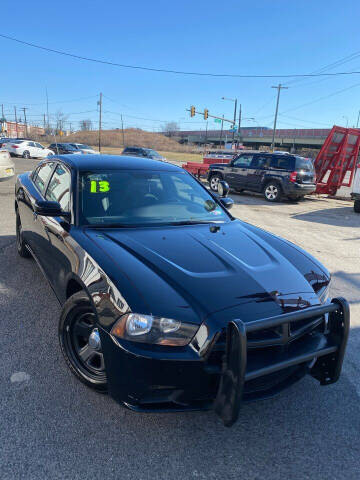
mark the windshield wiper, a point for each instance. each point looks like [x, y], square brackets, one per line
[195, 222]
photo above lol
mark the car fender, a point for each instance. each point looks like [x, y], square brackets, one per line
[274, 178]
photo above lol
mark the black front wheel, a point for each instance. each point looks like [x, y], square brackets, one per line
[80, 342]
[26, 154]
[357, 206]
[20, 244]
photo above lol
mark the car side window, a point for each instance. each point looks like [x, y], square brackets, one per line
[260, 161]
[38, 145]
[31, 144]
[242, 161]
[43, 175]
[59, 188]
[282, 162]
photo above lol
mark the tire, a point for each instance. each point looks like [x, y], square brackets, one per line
[20, 244]
[26, 154]
[357, 206]
[77, 322]
[214, 179]
[272, 192]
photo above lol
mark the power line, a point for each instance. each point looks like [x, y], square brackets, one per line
[330, 66]
[178, 72]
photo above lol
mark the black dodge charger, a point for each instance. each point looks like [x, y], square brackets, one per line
[169, 303]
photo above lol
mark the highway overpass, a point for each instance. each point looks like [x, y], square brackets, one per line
[256, 137]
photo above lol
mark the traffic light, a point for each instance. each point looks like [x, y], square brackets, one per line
[192, 111]
[206, 114]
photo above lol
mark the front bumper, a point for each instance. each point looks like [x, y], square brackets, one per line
[250, 364]
[328, 353]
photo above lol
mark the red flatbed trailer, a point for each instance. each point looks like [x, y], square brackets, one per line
[200, 169]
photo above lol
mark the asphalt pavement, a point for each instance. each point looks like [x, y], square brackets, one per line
[53, 427]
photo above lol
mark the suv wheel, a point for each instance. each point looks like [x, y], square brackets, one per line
[272, 192]
[213, 182]
[26, 154]
[357, 206]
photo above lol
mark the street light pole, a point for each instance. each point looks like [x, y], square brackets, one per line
[235, 108]
[279, 87]
[357, 123]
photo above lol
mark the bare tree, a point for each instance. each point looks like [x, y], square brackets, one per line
[170, 129]
[60, 120]
[86, 125]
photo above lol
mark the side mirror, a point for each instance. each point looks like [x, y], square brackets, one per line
[227, 202]
[49, 209]
[223, 188]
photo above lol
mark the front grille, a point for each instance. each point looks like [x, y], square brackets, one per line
[270, 342]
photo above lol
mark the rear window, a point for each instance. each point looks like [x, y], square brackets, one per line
[304, 164]
[282, 162]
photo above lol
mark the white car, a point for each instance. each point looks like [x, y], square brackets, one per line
[84, 148]
[7, 167]
[27, 149]
[355, 195]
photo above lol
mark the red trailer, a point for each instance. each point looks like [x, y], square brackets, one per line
[336, 162]
[212, 156]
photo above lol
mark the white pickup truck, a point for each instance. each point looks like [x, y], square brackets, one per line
[355, 195]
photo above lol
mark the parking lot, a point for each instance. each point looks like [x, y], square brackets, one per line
[52, 426]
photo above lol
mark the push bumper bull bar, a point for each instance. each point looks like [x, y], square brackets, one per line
[327, 353]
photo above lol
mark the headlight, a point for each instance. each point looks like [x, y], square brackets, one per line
[157, 330]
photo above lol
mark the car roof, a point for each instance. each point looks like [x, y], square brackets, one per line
[113, 162]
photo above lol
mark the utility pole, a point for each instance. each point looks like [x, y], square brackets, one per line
[16, 124]
[122, 130]
[239, 127]
[235, 107]
[2, 111]
[26, 127]
[279, 87]
[100, 112]
[357, 123]
[221, 131]
[47, 109]
[44, 122]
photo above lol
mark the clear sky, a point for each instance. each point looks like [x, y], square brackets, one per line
[242, 37]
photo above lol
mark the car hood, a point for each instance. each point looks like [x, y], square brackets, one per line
[189, 267]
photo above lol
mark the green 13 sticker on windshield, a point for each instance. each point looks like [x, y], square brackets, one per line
[99, 186]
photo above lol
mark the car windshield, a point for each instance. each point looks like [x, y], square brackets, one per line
[153, 153]
[138, 198]
[81, 145]
[304, 164]
[68, 146]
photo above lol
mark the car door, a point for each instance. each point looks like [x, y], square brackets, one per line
[32, 149]
[236, 173]
[40, 150]
[33, 223]
[256, 172]
[58, 260]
